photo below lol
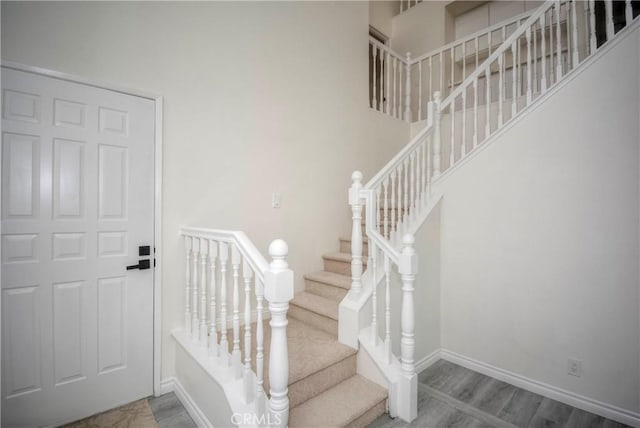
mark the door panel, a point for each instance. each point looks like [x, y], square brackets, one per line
[77, 201]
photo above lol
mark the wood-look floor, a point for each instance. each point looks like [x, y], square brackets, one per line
[452, 396]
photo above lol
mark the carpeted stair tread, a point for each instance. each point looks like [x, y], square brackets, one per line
[330, 278]
[339, 406]
[310, 349]
[316, 304]
[341, 257]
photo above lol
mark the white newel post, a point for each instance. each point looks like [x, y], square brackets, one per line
[436, 134]
[408, 267]
[187, 284]
[407, 89]
[278, 290]
[356, 233]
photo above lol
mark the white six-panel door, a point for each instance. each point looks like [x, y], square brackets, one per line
[77, 202]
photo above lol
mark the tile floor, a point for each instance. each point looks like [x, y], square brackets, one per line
[170, 413]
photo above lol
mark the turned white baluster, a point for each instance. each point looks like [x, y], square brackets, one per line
[420, 90]
[574, 35]
[406, 192]
[436, 134]
[592, 26]
[374, 102]
[442, 68]
[551, 67]
[463, 144]
[608, 8]
[235, 354]
[543, 79]
[452, 113]
[628, 12]
[400, 210]
[278, 292]
[487, 79]
[394, 225]
[187, 284]
[536, 75]
[425, 154]
[428, 151]
[408, 268]
[195, 321]
[213, 330]
[203, 292]
[356, 231]
[529, 92]
[379, 226]
[412, 184]
[407, 100]
[559, 41]
[386, 207]
[373, 252]
[430, 76]
[500, 88]
[475, 112]
[259, 347]
[514, 95]
[224, 343]
[387, 97]
[395, 78]
[247, 273]
[400, 98]
[387, 310]
[453, 62]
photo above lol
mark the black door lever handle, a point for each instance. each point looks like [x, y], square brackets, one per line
[142, 265]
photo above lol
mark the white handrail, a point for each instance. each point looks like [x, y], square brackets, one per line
[468, 38]
[398, 158]
[249, 251]
[518, 33]
[386, 48]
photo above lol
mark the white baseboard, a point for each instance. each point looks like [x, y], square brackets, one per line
[425, 362]
[585, 403]
[173, 384]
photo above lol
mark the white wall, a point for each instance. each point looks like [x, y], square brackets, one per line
[540, 239]
[381, 14]
[260, 97]
[422, 28]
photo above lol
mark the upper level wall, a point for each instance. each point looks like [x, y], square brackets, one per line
[540, 239]
[260, 97]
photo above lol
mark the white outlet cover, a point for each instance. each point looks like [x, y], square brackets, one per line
[574, 367]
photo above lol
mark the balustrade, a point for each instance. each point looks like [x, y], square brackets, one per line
[206, 277]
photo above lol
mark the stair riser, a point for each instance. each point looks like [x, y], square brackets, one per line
[371, 415]
[343, 268]
[315, 320]
[345, 247]
[317, 383]
[325, 290]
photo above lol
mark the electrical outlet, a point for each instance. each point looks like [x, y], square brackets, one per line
[574, 367]
[275, 200]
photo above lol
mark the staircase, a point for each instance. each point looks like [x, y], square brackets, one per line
[309, 374]
[326, 369]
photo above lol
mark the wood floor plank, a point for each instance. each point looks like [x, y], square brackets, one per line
[521, 408]
[551, 413]
[494, 397]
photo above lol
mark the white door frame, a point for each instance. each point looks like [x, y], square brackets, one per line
[157, 205]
